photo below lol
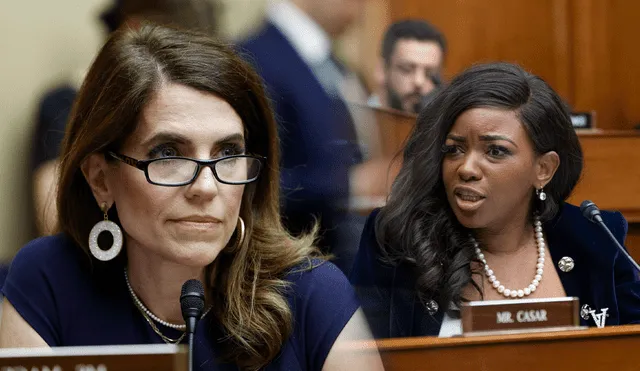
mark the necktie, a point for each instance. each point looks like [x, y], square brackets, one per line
[343, 85]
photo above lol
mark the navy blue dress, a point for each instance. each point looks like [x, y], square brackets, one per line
[52, 286]
[602, 277]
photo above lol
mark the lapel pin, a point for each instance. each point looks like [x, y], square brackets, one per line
[432, 307]
[566, 264]
[584, 312]
[599, 318]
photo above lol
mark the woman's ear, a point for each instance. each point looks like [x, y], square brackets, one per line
[546, 167]
[95, 169]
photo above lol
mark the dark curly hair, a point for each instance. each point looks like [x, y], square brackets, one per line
[418, 226]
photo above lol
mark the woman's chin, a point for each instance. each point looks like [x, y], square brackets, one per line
[195, 254]
[471, 221]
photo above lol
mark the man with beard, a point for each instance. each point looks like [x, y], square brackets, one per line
[409, 73]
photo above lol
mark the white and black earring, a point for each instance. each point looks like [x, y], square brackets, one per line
[541, 195]
[105, 226]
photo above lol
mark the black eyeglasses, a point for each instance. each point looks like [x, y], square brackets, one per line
[177, 171]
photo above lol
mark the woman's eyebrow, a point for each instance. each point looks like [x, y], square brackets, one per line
[172, 137]
[456, 138]
[236, 137]
[492, 138]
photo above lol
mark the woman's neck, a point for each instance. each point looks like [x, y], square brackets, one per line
[158, 282]
[507, 239]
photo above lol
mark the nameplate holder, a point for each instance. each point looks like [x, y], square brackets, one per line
[583, 120]
[157, 357]
[519, 315]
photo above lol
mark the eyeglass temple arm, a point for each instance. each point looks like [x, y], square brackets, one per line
[128, 160]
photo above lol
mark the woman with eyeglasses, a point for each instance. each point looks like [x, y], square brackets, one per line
[169, 172]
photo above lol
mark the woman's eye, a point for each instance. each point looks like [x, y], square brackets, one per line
[498, 151]
[451, 149]
[163, 151]
[231, 151]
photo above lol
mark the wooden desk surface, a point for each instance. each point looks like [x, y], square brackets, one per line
[461, 341]
[612, 348]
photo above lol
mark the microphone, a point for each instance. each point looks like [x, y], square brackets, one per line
[592, 213]
[191, 304]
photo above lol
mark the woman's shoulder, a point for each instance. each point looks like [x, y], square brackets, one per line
[369, 248]
[571, 230]
[53, 261]
[570, 216]
[370, 225]
[317, 281]
[322, 302]
[369, 267]
[314, 271]
[47, 252]
[45, 280]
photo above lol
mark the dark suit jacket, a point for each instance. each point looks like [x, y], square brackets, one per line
[601, 278]
[53, 115]
[318, 142]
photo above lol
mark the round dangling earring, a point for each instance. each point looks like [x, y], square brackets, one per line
[105, 226]
[541, 195]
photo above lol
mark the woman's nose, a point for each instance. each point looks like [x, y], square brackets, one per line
[205, 185]
[469, 169]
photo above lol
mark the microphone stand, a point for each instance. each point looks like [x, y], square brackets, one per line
[604, 227]
[592, 213]
[191, 305]
[191, 329]
[191, 334]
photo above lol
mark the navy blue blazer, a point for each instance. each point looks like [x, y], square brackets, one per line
[317, 137]
[53, 114]
[601, 278]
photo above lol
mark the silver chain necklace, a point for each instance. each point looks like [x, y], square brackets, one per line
[139, 304]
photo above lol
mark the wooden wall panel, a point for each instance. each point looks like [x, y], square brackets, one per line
[606, 63]
[625, 63]
[534, 34]
[585, 49]
[592, 69]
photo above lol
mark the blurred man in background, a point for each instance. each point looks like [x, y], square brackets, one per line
[410, 70]
[323, 166]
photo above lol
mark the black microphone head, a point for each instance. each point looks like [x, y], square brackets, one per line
[590, 210]
[192, 299]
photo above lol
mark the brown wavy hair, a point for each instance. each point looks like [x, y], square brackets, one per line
[249, 289]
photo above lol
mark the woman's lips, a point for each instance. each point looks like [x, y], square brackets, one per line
[468, 199]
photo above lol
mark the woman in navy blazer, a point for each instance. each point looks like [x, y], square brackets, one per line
[478, 212]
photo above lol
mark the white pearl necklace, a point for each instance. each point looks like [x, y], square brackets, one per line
[509, 293]
[139, 304]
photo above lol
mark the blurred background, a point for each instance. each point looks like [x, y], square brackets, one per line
[585, 49]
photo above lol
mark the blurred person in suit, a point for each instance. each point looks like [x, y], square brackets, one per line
[172, 150]
[410, 69]
[324, 159]
[478, 212]
[55, 105]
